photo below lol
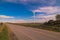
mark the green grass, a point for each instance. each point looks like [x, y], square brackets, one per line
[4, 34]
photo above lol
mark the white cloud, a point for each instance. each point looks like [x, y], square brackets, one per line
[48, 10]
[50, 2]
[49, 13]
[11, 1]
[4, 16]
[20, 21]
[44, 18]
[13, 21]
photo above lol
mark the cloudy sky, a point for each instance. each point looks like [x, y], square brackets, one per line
[22, 11]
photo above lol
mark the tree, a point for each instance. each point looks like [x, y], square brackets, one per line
[58, 17]
[50, 21]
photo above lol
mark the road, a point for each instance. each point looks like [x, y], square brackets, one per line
[27, 33]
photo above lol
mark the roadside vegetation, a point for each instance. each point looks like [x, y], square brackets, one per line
[42, 26]
[4, 32]
[50, 25]
[1, 26]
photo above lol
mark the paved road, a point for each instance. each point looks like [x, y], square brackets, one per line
[27, 33]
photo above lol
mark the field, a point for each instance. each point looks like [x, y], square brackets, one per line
[4, 34]
[55, 28]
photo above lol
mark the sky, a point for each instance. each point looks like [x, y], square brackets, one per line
[21, 11]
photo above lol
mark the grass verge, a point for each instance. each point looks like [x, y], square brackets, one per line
[4, 34]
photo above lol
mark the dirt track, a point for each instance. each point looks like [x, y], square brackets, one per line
[27, 33]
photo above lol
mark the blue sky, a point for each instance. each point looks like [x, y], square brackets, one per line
[22, 10]
[13, 9]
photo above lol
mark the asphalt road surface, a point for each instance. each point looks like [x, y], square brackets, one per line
[27, 33]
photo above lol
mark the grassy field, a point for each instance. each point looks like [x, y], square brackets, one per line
[4, 34]
[55, 28]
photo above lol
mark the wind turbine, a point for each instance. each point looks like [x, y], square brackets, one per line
[34, 17]
[34, 13]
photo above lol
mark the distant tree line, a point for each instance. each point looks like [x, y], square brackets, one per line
[52, 22]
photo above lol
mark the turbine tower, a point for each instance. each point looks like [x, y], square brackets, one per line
[34, 17]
